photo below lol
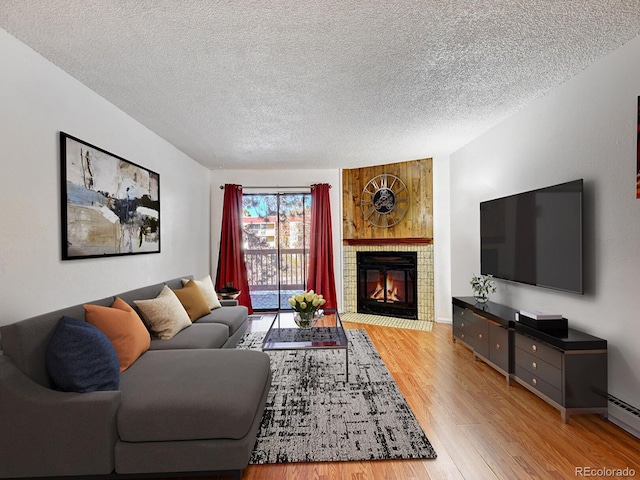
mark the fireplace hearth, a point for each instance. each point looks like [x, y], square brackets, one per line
[387, 284]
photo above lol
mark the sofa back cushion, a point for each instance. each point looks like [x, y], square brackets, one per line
[25, 342]
[123, 327]
[142, 293]
[177, 282]
[80, 358]
[164, 315]
[193, 300]
[207, 289]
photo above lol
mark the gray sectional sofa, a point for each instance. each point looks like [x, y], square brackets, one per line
[189, 404]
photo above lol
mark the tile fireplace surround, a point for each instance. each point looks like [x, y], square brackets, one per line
[426, 309]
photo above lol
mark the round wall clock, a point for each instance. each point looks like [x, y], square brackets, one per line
[385, 200]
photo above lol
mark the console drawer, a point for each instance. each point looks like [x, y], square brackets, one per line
[461, 334]
[463, 320]
[481, 337]
[539, 349]
[473, 330]
[539, 368]
[539, 384]
[459, 311]
[499, 346]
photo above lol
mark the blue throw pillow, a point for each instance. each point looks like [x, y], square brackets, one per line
[80, 358]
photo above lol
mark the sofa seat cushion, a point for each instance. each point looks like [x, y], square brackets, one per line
[232, 317]
[192, 394]
[205, 335]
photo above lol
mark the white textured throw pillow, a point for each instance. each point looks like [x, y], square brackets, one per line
[206, 287]
[164, 314]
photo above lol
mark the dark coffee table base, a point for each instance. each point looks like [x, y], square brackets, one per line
[329, 334]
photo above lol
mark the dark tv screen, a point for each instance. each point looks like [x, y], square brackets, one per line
[535, 237]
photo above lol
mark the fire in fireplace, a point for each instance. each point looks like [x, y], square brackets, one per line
[387, 283]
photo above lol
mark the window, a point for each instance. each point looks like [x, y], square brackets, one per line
[276, 246]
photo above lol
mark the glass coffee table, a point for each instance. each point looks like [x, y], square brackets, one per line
[328, 333]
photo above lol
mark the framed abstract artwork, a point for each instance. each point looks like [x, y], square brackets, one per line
[110, 206]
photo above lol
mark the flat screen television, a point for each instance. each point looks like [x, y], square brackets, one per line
[535, 237]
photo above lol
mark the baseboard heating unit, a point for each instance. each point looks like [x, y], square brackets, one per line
[624, 415]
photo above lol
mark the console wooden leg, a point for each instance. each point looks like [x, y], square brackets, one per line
[564, 416]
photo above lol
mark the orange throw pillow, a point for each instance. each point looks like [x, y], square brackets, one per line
[193, 300]
[123, 327]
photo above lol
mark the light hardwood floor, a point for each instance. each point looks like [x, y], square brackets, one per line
[480, 427]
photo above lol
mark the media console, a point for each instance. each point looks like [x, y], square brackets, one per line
[568, 370]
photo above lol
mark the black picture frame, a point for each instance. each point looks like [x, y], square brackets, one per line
[109, 205]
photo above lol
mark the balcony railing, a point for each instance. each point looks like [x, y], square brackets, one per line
[266, 273]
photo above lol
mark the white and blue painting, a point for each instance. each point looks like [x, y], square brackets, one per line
[112, 205]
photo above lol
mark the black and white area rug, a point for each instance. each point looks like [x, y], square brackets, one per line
[313, 415]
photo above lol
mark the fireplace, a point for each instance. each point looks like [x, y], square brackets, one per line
[387, 283]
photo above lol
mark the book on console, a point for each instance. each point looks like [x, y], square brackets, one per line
[541, 314]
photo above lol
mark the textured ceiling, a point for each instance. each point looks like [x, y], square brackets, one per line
[330, 83]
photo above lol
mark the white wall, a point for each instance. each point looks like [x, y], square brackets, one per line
[37, 101]
[442, 239]
[281, 179]
[584, 129]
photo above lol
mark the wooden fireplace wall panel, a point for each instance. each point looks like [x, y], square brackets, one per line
[417, 224]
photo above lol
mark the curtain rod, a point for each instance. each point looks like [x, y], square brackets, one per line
[272, 186]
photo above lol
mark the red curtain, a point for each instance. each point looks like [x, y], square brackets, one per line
[231, 265]
[321, 277]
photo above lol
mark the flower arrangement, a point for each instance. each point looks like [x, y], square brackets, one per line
[482, 285]
[306, 306]
[306, 302]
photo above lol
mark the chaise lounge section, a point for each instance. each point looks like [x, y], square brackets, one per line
[189, 404]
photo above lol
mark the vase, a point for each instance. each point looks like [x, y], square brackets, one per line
[307, 319]
[480, 298]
